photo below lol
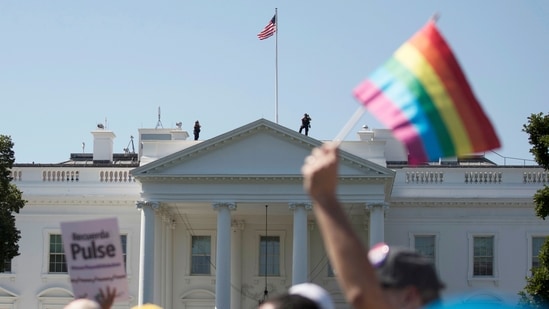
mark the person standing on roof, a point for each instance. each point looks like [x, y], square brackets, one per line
[196, 130]
[305, 124]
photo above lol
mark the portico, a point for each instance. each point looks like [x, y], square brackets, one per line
[218, 190]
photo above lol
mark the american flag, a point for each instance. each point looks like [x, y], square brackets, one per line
[269, 30]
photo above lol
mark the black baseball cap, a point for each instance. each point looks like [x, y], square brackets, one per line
[399, 267]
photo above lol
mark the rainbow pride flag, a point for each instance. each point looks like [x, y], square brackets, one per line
[422, 95]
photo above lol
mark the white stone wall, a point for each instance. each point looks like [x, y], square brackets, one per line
[452, 203]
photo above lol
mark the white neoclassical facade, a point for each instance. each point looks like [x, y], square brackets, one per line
[223, 223]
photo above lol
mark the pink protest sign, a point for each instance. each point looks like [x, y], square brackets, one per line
[95, 261]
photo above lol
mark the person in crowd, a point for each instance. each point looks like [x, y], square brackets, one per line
[382, 278]
[405, 275]
[305, 124]
[104, 300]
[300, 296]
[196, 130]
[83, 303]
[147, 306]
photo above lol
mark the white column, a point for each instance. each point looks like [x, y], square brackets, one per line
[146, 252]
[377, 222]
[169, 226]
[236, 264]
[223, 256]
[159, 265]
[300, 256]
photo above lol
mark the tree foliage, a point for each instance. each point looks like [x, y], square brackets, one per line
[10, 202]
[538, 136]
[536, 292]
[541, 202]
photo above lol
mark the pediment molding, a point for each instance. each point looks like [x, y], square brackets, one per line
[222, 140]
[5, 293]
[158, 167]
[55, 292]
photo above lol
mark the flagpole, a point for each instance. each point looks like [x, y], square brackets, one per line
[276, 65]
[349, 125]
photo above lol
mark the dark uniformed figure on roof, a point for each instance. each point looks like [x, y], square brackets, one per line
[305, 124]
[196, 130]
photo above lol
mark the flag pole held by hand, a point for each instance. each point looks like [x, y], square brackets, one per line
[349, 125]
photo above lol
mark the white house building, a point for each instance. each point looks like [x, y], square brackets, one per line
[225, 222]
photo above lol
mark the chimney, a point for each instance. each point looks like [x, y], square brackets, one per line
[103, 144]
[366, 134]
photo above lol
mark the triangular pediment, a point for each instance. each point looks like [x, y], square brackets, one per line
[259, 149]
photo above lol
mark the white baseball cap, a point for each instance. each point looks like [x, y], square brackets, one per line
[314, 293]
[83, 303]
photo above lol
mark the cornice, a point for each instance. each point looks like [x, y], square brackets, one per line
[461, 203]
[79, 202]
[253, 178]
[478, 220]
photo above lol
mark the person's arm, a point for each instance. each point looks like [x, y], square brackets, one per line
[106, 298]
[347, 254]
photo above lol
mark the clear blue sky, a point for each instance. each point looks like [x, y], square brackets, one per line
[67, 65]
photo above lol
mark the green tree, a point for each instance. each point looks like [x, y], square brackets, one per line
[10, 202]
[538, 131]
[536, 292]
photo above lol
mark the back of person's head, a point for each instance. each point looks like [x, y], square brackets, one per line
[83, 303]
[289, 301]
[301, 296]
[147, 306]
[399, 267]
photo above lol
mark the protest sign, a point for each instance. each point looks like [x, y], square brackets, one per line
[95, 261]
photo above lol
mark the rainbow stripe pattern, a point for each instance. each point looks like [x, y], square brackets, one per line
[422, 95]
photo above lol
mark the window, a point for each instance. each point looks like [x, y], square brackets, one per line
[7, 266]
[483, 256]
[124, 243]
[269, 256]
[537, 243]
[57, 262]
[201, 255]
[331, 272]
[425, 245]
